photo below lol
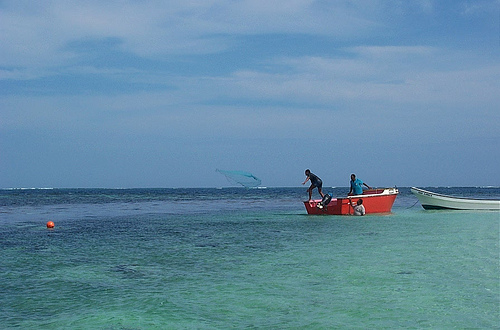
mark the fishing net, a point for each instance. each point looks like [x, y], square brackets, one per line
[240, 177]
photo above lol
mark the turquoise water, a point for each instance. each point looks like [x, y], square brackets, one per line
[238, 258]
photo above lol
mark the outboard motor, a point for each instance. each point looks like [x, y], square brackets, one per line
[325, 201]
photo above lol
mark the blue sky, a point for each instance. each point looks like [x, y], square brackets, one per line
[161, 93]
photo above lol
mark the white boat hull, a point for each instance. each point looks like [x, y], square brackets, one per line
[434, 201]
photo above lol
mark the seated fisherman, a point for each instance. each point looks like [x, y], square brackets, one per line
[357, 186]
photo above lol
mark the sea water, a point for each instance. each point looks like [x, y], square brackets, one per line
[242, 258]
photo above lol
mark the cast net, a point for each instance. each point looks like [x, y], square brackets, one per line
[240, 177]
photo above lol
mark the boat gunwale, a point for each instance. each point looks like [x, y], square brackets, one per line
[385, 192]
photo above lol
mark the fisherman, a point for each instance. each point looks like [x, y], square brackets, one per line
[315, 183]
[357, 186]
[359, 208]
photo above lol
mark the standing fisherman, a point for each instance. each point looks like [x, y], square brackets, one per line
[315, 183]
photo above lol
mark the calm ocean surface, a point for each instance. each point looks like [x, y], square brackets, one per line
[242, 258]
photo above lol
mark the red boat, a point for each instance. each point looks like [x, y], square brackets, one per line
[374, 200]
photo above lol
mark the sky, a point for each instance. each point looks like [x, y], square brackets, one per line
[138, 94]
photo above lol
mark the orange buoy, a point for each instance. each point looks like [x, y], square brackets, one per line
[50, 224]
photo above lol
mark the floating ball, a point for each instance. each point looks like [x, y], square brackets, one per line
[50, 224]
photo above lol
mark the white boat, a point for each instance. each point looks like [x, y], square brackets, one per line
[434, 201]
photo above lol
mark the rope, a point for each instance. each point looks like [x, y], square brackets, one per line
[412, 205]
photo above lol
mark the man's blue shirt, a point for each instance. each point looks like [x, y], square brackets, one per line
[357, 187]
